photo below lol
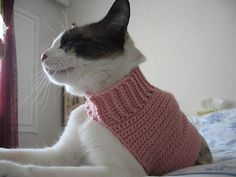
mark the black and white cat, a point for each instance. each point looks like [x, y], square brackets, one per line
[85, 59]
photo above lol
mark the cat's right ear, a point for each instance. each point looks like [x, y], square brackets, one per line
[118, 16]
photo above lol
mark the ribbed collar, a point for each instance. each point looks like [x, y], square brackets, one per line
[123, 99]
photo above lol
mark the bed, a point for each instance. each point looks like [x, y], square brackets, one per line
[219, 130]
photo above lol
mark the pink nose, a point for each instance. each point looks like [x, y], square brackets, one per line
[44, 56]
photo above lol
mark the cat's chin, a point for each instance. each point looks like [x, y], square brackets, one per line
[59, 77]
[76, 92]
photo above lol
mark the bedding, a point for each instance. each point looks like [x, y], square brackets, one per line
[219, 130]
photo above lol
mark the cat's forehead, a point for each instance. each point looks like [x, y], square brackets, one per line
[91, 41]
[57, 41]
[87, 31]
[65, 36]
[83, 31]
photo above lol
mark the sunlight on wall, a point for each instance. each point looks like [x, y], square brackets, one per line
[2, 31]
[1, 27]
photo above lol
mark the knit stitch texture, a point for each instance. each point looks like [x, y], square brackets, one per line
[148, 122]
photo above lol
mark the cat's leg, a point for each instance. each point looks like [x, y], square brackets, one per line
[46, 156]
[67, 151]
[10, 169]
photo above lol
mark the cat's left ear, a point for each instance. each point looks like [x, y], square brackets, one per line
[118, 16]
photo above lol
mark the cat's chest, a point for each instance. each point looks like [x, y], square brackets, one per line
[103, 148]
[99, 141]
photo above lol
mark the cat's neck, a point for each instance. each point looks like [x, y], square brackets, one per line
[107, 76]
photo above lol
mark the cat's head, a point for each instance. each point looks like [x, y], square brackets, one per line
[92, 57]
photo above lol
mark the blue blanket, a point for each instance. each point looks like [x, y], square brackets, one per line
[219, 130]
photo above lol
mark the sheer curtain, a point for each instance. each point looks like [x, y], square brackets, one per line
[8, 82]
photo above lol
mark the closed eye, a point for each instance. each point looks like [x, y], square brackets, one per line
[68, 46]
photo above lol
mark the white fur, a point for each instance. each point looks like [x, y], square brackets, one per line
[90, 75]
[86, 148]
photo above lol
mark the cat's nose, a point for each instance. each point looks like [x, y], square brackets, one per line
[44, 56]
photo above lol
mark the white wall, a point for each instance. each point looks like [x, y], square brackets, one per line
[64, 2]
[50, 110]
[190, 45]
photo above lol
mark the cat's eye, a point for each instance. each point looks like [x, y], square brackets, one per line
[68, 47]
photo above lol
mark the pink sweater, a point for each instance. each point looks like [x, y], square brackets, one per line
[148, 122]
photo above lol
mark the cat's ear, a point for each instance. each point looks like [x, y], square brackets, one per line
[118, 16]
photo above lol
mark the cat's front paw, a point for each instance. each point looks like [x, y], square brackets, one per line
[9, 169]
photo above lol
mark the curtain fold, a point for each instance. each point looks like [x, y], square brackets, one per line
[8, 82]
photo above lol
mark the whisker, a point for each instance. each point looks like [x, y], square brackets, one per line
[66, 18]
[32, 79]
[63, 27]
[64, 13]
[57, 95]
[39, 90]
[54, 94]
[42, 101]
[38, 85]
[31, 94]
[48, 93]
[60, 93]
[54, 33]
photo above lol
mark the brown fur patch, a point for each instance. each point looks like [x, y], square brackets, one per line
[204, 156]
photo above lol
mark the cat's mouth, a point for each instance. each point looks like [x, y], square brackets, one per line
[59, 71]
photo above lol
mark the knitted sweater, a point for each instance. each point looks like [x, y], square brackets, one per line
[148, 122]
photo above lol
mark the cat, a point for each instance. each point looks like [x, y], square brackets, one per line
[89, 61]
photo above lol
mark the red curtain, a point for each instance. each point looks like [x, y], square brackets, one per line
[8, 83]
